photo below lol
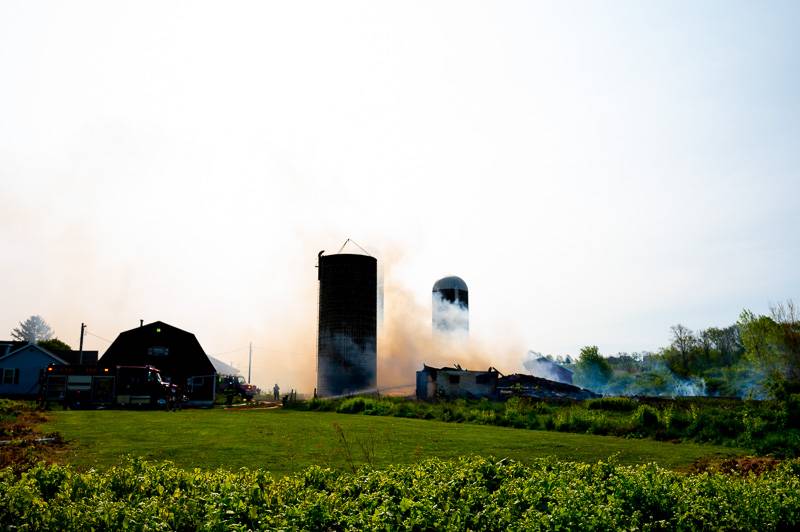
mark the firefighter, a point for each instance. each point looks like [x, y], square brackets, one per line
[173, 398]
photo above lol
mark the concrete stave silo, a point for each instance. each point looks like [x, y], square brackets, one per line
[450, 305]
[347, 335]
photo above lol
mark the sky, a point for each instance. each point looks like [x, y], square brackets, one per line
[595, 171]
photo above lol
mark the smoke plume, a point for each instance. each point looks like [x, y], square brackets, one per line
[407, 341]
[538, 366]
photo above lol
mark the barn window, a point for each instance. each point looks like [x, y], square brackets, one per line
[483, 378]
[454, 379]
[158, 351]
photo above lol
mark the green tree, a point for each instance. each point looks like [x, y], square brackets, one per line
[54, 344]
[592, 370]
[787, 320]
[726, 342]
[681, 354]
[772, 344]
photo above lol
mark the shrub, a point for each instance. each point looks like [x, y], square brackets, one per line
[469, 493]
[784, 444]
[374, 407]
[715, 425]
[403, 409]
[645, 418]
[352, 405]
[572, 421]
[613, 404]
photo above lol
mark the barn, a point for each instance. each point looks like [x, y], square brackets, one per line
[175, 352]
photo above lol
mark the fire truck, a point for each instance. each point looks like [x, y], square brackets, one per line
[98, 386]
[231, 386]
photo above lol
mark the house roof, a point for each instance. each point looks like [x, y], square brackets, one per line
[26, 346]
[12, 345]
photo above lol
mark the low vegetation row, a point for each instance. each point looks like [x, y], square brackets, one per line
[766, 427]
[470, 493]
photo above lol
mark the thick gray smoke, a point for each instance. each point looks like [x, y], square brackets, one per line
[407, 341]
[654, 378]
[449, 319]
[539, 366]
[694, 387]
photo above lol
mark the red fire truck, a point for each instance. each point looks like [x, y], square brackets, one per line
[98, 386]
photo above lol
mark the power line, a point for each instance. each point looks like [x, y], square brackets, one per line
[275, 351]
[227, 352]
[96, 336]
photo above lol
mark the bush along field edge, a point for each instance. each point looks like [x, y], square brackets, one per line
[468, 493]
[768, 427]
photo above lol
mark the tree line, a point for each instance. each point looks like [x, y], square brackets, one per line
[758, 357]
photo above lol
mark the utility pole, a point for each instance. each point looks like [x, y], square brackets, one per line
[249, 362]
[80, 354]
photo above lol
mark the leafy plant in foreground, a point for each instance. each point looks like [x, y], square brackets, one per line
[470, 493]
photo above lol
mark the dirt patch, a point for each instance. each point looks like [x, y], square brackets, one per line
[740, 465]
[253, 405]
[21, 443]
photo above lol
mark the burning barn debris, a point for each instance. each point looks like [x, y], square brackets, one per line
[451, 382]
[536, 387]
[456, 382]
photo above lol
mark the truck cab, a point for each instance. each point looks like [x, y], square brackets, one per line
[141, 386]
[233, 385]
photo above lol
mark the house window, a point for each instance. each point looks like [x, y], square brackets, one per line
[454, 379]
[483, 378]
[11, 376]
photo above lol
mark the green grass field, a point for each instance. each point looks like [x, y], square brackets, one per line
[285, 441]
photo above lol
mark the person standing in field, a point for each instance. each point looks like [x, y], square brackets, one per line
[276, 392]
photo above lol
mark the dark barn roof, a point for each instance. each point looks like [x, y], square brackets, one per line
[175, 352]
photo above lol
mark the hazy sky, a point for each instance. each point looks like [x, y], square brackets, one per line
[595, 171]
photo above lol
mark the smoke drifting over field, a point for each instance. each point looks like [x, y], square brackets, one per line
[285, 345]
[407, 340]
